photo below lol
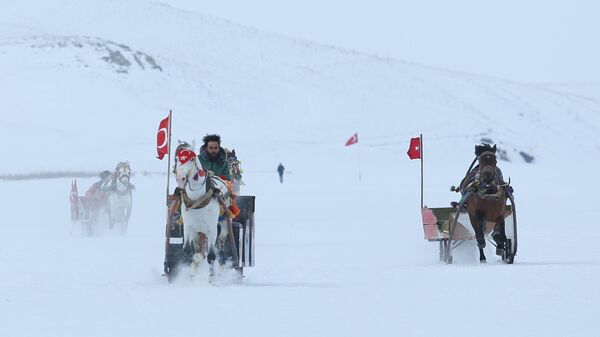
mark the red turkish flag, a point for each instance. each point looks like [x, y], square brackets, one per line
[414, 151]
[162, 138]
[74, 199]
[352, 140]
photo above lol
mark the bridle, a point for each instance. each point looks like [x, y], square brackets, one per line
[198, 172]
[233, 165]
[488, 168]
[121, 175]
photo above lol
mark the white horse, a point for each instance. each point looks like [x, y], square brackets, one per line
[200, 207]
[119, 196]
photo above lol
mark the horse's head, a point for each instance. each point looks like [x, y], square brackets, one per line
[123, 172]
[233, 164]
[185, 163]
[486, 156]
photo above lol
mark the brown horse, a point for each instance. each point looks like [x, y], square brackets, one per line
[484, 194]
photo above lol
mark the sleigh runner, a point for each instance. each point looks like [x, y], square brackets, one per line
[450, 227]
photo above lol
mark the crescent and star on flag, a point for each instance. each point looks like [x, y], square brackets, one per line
[162, 138]
[414, 149]
[184, 156]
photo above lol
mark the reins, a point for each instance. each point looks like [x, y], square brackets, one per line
[471, 166]
[476, 185]
[204, 199]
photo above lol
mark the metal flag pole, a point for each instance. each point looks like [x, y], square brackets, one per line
[168, 228]
[169, 153]
[421, 154]
[359, 173]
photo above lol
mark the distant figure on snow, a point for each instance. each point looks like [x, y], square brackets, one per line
[280, 170]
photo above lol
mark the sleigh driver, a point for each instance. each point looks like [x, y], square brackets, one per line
[222, 163]
[214, 158]
[96, 194]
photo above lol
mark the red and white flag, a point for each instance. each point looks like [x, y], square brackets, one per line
[352, 140]
[162, 139]
[414, 150]
[73, 198]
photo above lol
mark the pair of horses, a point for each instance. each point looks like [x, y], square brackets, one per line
[484, 196]
[112, 195]
[205, 200]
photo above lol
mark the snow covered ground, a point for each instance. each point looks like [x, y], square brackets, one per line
[86, 85]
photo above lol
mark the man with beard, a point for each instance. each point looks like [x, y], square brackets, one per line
[213, 157]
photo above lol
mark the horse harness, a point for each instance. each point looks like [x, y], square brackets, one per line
[210, 192]
[480, 188]
[111, 186]
[204, 200]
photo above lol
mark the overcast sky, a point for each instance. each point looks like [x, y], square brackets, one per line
[525, 40]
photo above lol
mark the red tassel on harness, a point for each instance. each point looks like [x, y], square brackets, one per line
[235, 210]
[200, 173]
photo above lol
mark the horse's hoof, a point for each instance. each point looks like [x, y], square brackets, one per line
[499, 251]
[483, 261]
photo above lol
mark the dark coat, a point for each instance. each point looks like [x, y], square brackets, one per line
[217, 165]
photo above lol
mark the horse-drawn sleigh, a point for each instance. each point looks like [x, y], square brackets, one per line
[482, 215]
[207, 220]
[106, 201]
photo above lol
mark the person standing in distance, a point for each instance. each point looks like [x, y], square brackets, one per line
[280, 170]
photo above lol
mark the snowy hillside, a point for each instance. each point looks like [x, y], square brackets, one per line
[589, 90]
[93, 73]
[86, 83]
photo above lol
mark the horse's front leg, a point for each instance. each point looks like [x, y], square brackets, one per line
[481, 237]
[222, 240]
[199, 255]
[478, 224]
[499, 235]
[223, 234]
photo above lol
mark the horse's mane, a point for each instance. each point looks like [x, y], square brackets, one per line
[181, 145]
[122, 164]
[479, 149]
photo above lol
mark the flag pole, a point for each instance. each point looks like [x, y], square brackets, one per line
[359, 173]
[421, 154]
[169, 154]
[168, 223]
